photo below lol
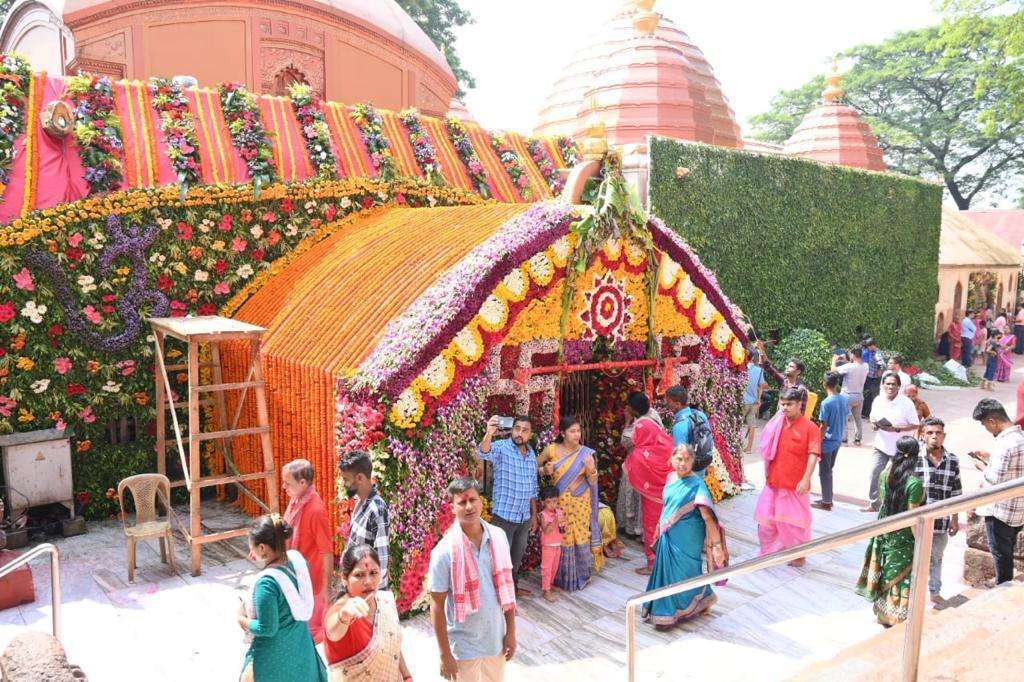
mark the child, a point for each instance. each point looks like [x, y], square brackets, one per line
[610, 543]
[991, 350]
[552, 525]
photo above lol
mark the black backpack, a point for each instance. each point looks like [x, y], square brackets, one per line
[702, 442]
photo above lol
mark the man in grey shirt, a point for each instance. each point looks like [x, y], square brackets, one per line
[475, 649]
[854, 373]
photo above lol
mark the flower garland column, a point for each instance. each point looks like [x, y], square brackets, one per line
[422, 146]
[97, 131]
[179, 129]
[512, 163]
[371, 130]
[546, 164]
[314, 131]
[460, 139]
[15, 78]
[248, 135]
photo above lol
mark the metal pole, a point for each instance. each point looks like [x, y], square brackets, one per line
[631, 641]
[55, 590]
[918, 590]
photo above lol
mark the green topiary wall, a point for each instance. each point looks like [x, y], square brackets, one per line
[797, 244]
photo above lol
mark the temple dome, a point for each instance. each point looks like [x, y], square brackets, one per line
[834, 132]
[662, 81]
[459, 110]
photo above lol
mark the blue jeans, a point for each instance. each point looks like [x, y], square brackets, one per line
[965, 356]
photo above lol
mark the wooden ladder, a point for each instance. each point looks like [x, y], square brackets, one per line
[211, 331]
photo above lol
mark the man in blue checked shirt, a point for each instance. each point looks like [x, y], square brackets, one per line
[514, 499]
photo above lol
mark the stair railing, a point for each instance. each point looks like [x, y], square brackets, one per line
[28, 556]
[920, 519]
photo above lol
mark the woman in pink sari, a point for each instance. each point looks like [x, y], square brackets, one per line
[648, 467]
[1005, 364]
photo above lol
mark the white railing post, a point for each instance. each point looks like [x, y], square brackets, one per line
[631, 641]
[918, 592]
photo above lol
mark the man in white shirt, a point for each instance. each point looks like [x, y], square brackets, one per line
[854, 373]
[893, 415]
[896, 365]
[967, 331]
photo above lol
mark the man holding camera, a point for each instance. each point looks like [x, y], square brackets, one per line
[514, 507]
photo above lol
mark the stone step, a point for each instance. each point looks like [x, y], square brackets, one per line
[980, 639]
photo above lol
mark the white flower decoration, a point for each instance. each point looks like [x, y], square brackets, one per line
[345, 202]
[201, 276]
[256, 231]
[111, 387]
[40, 386]
[244, 271]
[291, 230]
[158, 258]
[87, 283]
[33, 312]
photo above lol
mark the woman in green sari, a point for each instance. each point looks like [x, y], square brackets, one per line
[885, 578]
[282, 601]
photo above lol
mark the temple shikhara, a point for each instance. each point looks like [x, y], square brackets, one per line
[246, 232]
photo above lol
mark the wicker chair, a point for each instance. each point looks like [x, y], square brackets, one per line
[145, 488]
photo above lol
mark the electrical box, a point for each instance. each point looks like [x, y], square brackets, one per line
[37, 468]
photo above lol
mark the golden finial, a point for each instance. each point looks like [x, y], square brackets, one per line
[645, 20]
[594, 143]
[834, 85]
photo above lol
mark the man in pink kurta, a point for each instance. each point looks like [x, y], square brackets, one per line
[311, 536]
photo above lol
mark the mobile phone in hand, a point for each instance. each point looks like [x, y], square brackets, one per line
[506, 422]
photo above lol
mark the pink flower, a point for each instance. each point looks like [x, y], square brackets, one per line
[6, 405]
[75, 239]
[87, 415]
[238, 244]
[94, 315]
[126, 367]
[24, 280]
[62, 365]
[221, 288]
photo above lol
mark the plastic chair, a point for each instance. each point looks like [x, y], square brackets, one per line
[144, 489]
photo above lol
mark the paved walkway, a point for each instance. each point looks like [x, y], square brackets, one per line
[175, 627]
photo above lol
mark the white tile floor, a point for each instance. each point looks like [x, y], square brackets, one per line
[176, 627]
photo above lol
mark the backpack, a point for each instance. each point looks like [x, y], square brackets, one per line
[702, 441]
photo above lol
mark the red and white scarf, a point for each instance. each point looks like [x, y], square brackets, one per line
[466, 577]
[293, 514]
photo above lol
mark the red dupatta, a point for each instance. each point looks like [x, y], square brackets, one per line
[648, 466]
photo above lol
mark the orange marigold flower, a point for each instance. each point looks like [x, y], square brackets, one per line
[83, 446]
[141, 397]
[92, 366]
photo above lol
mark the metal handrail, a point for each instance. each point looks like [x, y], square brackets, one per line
[54, 576]
[919, 517]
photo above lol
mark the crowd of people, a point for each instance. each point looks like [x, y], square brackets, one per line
[299, 631]
[991, 337]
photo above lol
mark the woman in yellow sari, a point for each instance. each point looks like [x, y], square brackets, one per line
[573, 469]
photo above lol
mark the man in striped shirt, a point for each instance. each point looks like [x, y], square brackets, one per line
[1003, 520]
[939, 472]
[370, 517]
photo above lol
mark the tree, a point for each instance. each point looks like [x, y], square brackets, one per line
[438, 19]
[925, 98]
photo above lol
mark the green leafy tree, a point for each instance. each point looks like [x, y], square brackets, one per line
[439, 19]
[926, 100]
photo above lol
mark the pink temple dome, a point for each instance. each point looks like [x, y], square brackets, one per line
[644, 84]
[834, 132]
[458, 109]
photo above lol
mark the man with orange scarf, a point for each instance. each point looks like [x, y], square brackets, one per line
[647, 469]
[311, 535]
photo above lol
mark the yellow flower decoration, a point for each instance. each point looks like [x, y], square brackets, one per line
[737, 352]
[438, 375]
[514, 286]
[493, 314]
[541, 269]
[686, 292]
[467, 346]
[668, 273]
[25, 363]
[561, 250]
[407, 410]
[24, 416]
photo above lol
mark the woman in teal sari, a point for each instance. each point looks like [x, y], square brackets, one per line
[282, 601]
[687, 521]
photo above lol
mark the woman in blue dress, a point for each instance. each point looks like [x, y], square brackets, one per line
[687, 522]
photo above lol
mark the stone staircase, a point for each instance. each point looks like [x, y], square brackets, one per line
[980, 639]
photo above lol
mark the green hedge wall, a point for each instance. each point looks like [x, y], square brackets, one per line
[797, 244]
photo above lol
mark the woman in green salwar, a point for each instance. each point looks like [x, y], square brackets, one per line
[282, 649]
[885, 578]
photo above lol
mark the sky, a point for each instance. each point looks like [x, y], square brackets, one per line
[516, 50]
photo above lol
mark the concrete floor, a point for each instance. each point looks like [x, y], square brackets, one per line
[175, 627]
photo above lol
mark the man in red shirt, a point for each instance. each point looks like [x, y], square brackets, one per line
[311, 535]
[784, 509]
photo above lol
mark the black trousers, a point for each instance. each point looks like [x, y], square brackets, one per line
[872, 386]
[1002, 538]
[518, 537]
